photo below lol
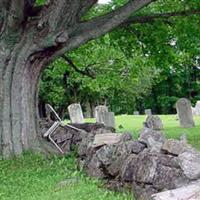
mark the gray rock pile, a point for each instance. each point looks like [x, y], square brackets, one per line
[149, 165]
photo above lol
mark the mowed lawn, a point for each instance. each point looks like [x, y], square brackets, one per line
[172, 129]
[34, 177]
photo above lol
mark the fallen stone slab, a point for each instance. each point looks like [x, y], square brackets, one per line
[106, 139]
[189, 192]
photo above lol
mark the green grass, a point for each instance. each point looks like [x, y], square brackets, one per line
[33, 177]
[134, 124]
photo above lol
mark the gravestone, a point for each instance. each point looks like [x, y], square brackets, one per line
[136, 113]
[97, 110]
[110, 119]
[103, 116]
[106, 118]
[197, 108]
[184, 111]
[75, 113]
[154, 122]
[148, 112]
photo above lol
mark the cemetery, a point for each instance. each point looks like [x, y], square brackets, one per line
[99, 100]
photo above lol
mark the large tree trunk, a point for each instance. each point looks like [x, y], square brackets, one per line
[19, 80]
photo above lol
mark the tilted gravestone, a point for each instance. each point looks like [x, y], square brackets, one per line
[136, 113]
[184, 111]
[75, 113]
[103, 116]
[148, 112]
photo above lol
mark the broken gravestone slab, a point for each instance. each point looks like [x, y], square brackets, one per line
[184, 111]
[106, 139]
[75, 113]
[188, 192]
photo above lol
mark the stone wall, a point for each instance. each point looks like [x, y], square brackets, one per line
[147, 166]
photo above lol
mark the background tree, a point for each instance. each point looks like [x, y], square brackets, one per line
[159, 68]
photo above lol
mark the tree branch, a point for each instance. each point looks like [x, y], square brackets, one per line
[83, 72]
[85, 6]
[98, 26]
[153, 17]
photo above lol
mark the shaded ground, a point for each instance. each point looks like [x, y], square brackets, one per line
[33, 177]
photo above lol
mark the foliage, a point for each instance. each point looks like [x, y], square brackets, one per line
[139, 66]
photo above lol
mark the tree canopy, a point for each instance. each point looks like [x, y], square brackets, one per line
[148, 62]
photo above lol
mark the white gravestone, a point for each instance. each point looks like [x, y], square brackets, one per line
[103, 116]
[148, 112]
[75, 113]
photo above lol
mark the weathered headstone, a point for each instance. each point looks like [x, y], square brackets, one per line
[109, 119]
[148, 112]
[106, 118]
[154, 122]
[97, 110]
[184, 111]
[136, 113]
[103, 116]
[76, 114]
